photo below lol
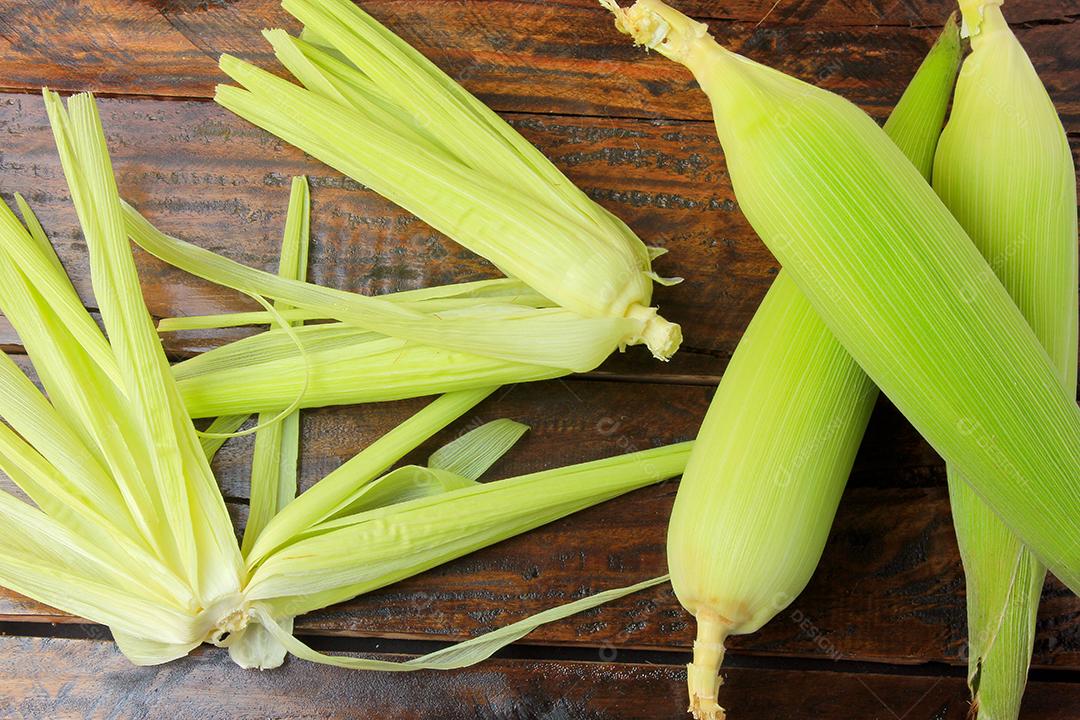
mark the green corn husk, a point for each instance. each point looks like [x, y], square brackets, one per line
[897, 281]
[369, 543]
[342, 364]
[277, 444]
[275, 458]
[457, 465]
[427, 300]
[127, 525]
[356, 368]
[1005, 170]
[777, 445]
[379, 111]
[549, 336]
[130, 528]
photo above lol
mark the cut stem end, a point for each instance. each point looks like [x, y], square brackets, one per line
[661, 336]
[703, 679]
[658, 27]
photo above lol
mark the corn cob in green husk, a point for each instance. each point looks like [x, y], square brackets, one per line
[773, 455]
[1005, 170]
[896, 279]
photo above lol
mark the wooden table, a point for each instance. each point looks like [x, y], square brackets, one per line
[879, 633]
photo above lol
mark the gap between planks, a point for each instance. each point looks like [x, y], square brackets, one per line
[524, 650]
[504, 113]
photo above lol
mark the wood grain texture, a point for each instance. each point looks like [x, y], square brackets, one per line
[632, 130]
[198, 171]
[889, 587]
[560, 57]
[204, 174]
[47, 678]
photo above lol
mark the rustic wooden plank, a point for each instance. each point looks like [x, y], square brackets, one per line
[573, 420]
[562, 57]
[202, 173]
[68, 678]
[890, 586]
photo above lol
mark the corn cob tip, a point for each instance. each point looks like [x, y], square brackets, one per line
[950, 35]
[974, 12]
[703, 679]
[658, 27]
[661, 336]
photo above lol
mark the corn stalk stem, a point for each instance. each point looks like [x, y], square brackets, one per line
[703, 674]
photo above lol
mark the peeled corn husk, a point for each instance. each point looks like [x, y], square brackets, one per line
[551, 336]
[342, 364]
[1005, 170]
[379, 111]
[127, 526]
[427, 300]
[162, 563]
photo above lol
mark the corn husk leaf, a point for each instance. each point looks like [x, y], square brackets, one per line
[277, 445]
[777, 445]
[427, 300]
[472, 454]
[464, 653]
[338, 490]
[110, 458]
[1004, 169]
[341, 365]
[256, 646]
[548, 336]
[379, 546]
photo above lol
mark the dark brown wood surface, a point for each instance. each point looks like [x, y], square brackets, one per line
[207, 686]
[892, 562]
[551, 57]
[883, 616]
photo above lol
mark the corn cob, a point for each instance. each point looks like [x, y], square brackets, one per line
[897, 281]
[1005, 170]
[756, 503]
